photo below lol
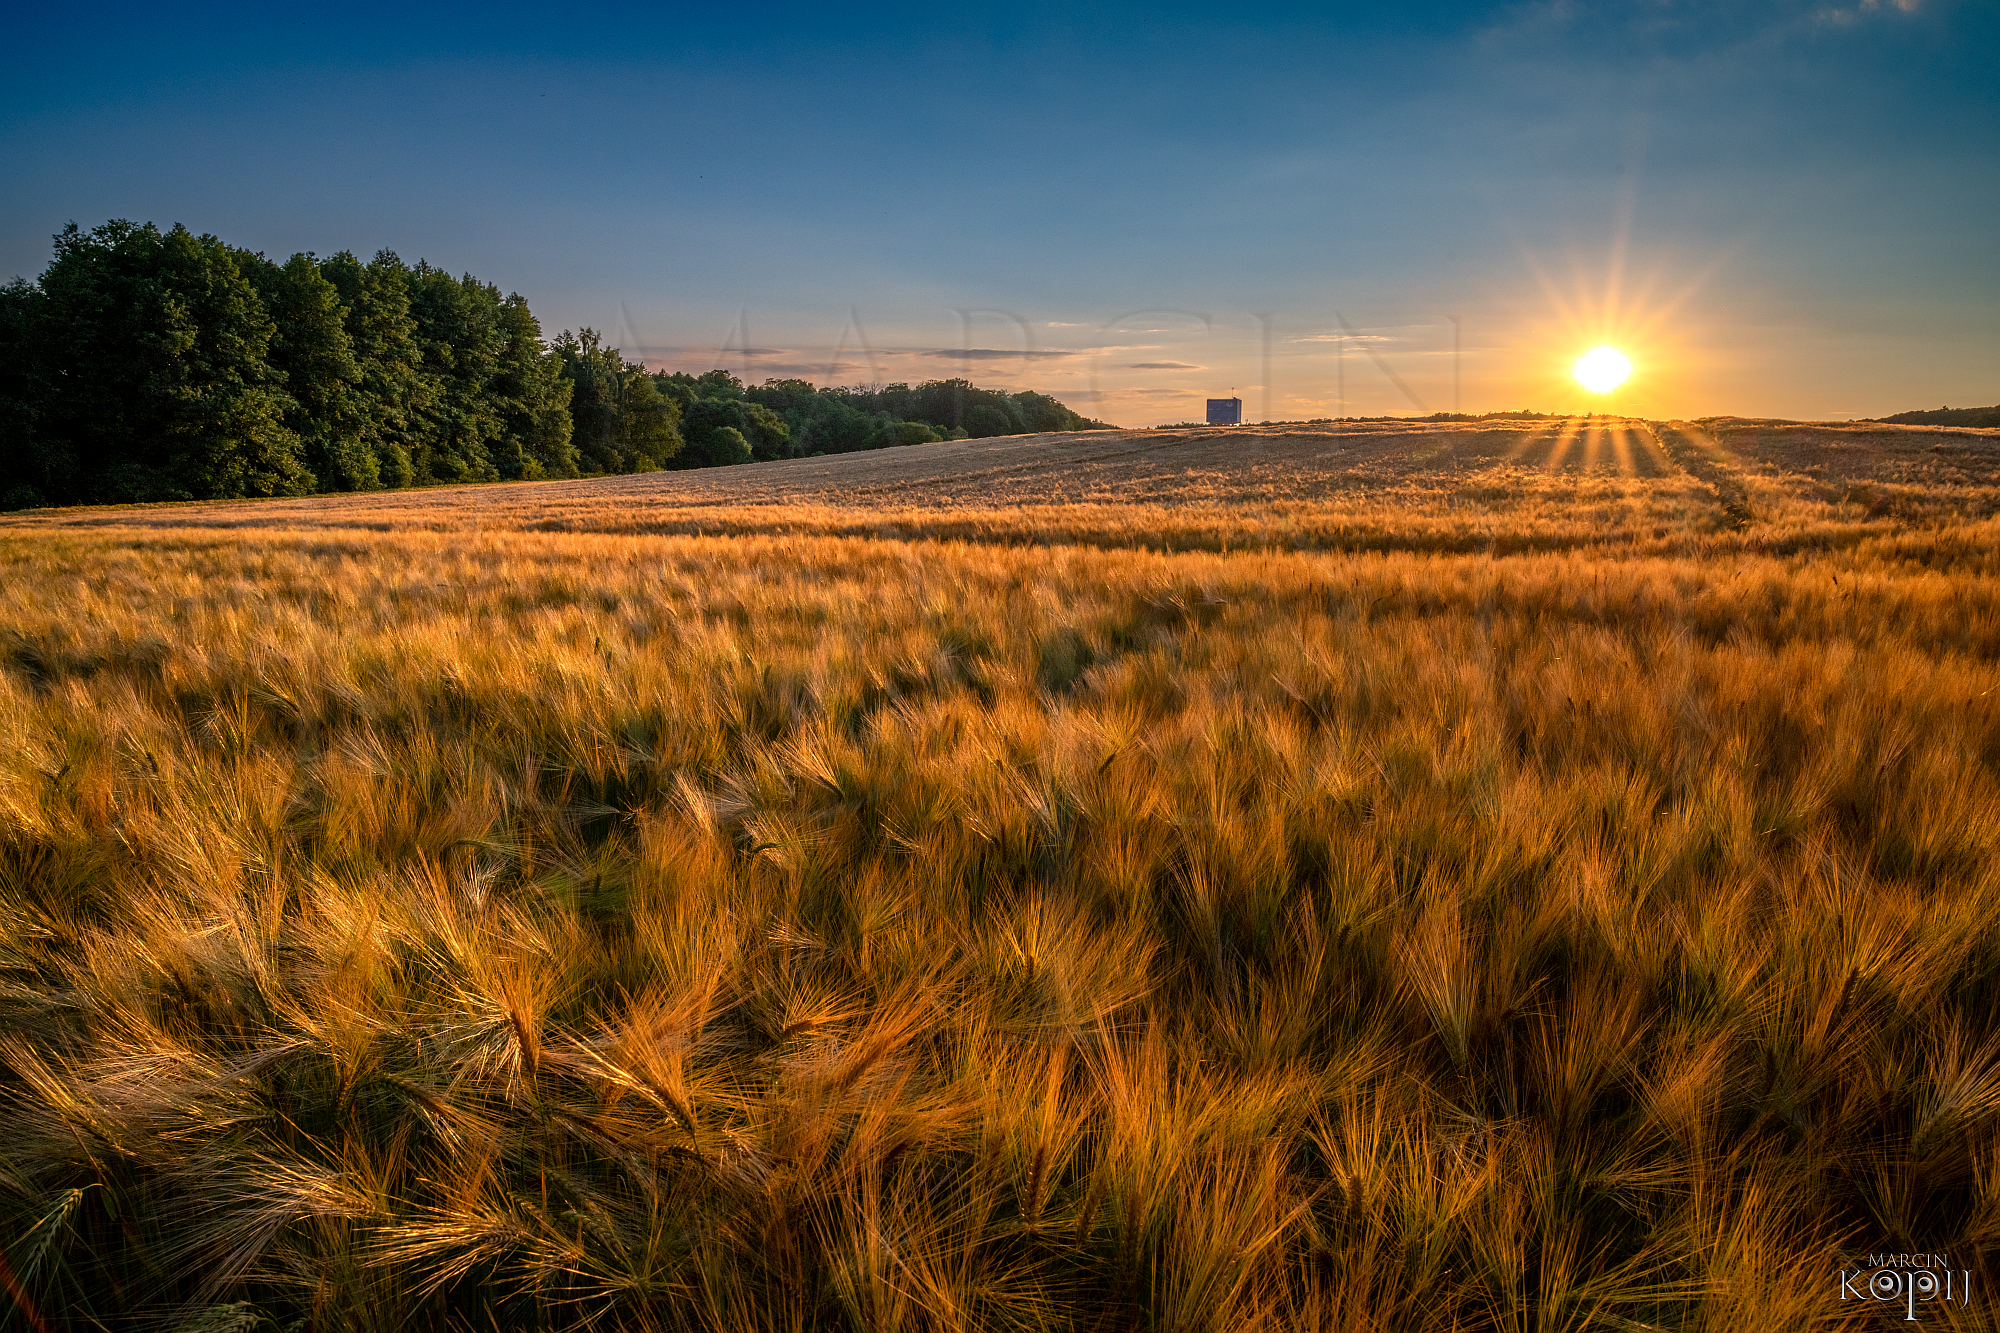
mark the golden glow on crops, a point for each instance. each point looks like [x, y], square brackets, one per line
[634, 903]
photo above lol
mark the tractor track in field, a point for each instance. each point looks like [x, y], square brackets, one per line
[1684, 444]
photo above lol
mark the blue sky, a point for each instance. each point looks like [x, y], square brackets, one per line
[1776, 208]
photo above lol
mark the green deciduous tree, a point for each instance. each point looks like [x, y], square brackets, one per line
[396, 394]
[594, 373]
[159, 383]
[649, 421]
[910, 432]
[716, 401]
[725, 445]
[534, 399]
[990, 419]
[33, 465]
[458, 331]
[623, 423]
[314, 351]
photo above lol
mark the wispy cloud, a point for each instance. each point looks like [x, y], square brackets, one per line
[1067, 394]
[994, 354]
[812, 369]
[655, 350]
[1163, 365]
[1839, 17]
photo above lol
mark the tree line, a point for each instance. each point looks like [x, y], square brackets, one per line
[1947, 416]
[146, 365]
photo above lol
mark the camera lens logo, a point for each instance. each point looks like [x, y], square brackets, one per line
[1917, 1282]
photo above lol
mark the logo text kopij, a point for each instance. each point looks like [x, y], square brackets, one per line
[1910, 1280]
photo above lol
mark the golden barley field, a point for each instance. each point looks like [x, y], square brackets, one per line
[1502, 876]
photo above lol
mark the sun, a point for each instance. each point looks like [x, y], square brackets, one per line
[1602, 369]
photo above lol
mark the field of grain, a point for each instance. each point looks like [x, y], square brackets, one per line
[1507, 876]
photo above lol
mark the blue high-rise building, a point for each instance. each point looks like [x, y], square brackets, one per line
[1225, 411]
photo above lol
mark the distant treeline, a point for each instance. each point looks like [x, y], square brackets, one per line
[727, 421]
[1523, 414]
[148, 365]
[1948, 416]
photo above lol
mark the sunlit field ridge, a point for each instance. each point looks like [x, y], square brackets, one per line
[1508, 876]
